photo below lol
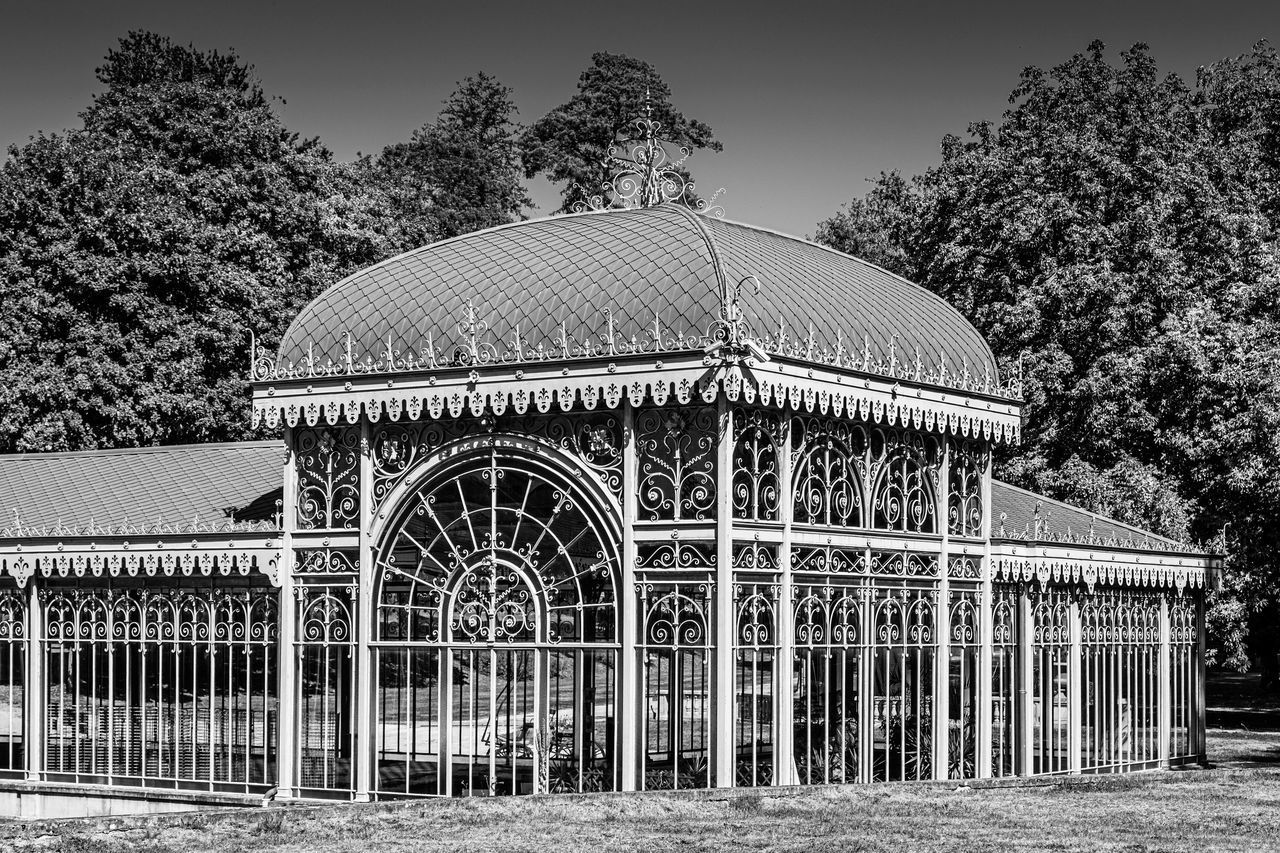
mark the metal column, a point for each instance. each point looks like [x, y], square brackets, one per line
[628, 719]
[724, 622]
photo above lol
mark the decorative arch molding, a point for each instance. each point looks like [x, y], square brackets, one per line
[504, 567]
[456, 452]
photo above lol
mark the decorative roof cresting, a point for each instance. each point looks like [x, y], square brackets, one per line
[644, 173]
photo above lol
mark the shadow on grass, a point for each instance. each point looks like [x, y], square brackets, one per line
[1243, 748]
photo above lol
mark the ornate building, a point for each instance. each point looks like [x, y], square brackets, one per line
[629, 499]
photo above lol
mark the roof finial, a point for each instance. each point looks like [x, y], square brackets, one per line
[646, 170]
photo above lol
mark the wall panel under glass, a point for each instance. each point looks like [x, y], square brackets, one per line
[827, 681]
[172, 686]
[1120, 647]
[1006, 726]
[675, 662]
[1184, 653]
[325, 713]
[13, 671]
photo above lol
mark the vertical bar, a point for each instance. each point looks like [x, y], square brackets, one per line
[1164, 705]
[363, 759]
[1074, 722]
[784, 765]
[722, 687]
[444, 760]
[986, 639]
[288, 707]
[630, 719]
[868, 656]
[942, 625]
[35, 694]
[1026, 685]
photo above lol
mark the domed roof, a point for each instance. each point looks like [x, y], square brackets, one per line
[568, 280]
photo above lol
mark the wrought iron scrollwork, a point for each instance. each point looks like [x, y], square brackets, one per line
[906, 564]
[964, 568]
[328, 463]
[497, 551]
[676, 449]
[13, 615]
[830, 464]
[828, 559]
[828, 615]
[675, 616]
[968, 465]
[327, 561]
[964, 618]
[903, 480]
[755, 605]
[676, 554]
[594, 439]
[755, 555]
[645, 170]
[904, 618]
[757, 441]
[325, 617]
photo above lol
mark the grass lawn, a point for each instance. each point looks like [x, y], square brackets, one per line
[1234, 806]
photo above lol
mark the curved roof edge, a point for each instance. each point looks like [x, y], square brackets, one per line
[336, 352]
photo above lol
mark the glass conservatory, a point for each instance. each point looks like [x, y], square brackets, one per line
[632, 499]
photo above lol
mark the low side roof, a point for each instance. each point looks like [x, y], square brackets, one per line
[180, 484]
[1023, 514]
[211, 483]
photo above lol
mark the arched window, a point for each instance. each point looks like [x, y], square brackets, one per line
[496, 632]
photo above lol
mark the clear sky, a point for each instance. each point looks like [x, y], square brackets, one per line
[809, 99]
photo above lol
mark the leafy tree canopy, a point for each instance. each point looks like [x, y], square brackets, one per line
[461, 173]
[138, 250]
[139, 247]
[570, 142]
[1118, 229]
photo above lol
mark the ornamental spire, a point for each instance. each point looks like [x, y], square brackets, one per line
[646, 170]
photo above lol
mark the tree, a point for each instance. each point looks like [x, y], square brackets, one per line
[462, 173]
[138, 250]
[570, 142]
[1119, 229]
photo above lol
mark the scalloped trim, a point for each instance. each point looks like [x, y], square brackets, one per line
[1091, 573]
[794, 393]
[79, 563]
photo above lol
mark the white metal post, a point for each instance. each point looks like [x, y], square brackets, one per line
[724, 688]
[287, 655]
[866, 674]
[1026, 692]
[942, 620]
[628, 722]
[986, 636]
[1164, 706]
[1074, 685]
[784, 766]
[35, 687]
[1200, 677]
[363, 760]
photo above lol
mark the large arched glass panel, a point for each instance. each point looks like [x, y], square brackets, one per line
[495, 642]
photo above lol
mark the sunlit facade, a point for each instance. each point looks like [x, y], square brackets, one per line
[628, 500]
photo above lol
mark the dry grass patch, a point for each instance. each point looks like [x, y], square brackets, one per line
[1225, 809]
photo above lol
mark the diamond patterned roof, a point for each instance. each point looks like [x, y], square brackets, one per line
[169, 485]
[662, 261]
